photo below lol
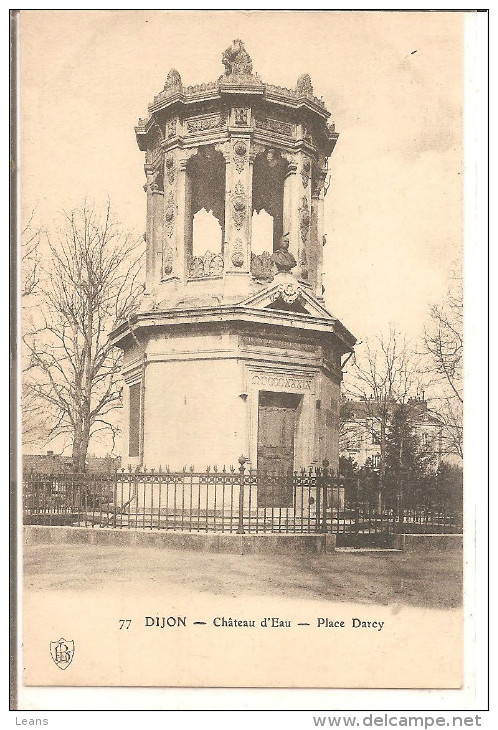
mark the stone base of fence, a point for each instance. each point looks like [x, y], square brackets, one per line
[285, 544]
[411, 543]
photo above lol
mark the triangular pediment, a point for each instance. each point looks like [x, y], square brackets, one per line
[287, 294]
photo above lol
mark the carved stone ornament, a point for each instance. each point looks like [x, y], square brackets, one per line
[304, 219]
[275, 125]
[289, 292]
[170, 169]
[241, 117]
[202, 124]
[173, 80]
[262, 266]
[238, 254]
[239, 155]
[306, 172]
[155, 181]
[170, 214]
[318, 184]
[236, 60]
[239, 206]
[210, 264]
[304, 87]
[307, 136]
[171, 128]
[304, 265]
[167, 261]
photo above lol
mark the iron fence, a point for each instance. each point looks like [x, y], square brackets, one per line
[234, 500]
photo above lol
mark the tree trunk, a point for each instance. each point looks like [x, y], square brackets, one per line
[77, 442]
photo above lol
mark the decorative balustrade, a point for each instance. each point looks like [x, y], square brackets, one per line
[208, 265]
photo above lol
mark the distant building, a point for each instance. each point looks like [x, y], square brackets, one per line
[51, 463]
[360, 431]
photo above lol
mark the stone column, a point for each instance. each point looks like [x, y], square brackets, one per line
[290, 220]
[297, 210]
[304, 216]
[154, 231]
[176, 214]
[238, 203]
[317, 235]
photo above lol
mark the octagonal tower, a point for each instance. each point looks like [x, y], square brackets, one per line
[233, 351]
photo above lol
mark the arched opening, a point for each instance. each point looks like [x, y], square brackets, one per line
[268, 193]
[206, 214]
[268, 210]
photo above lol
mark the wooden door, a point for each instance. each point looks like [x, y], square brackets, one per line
[276, 426]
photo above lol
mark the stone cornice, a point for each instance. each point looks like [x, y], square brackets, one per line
[225, 314]
[191, 96]
[216, 90]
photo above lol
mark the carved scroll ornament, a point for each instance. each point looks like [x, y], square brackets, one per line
[202, 124]
[275, 125]
[239, 205]
[167, 261]
[170, 169]
[304, 265]
[170, 214]
[306, 172]
[239, 155]
[304, 219]
[289, 292]
[238, 254]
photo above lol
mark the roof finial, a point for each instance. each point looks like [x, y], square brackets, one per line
[304, 85]
[173, 79]
[236, 60]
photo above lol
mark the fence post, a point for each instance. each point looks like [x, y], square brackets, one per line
[325, 464]
[240, 529]
[318, 486]
[115, 499]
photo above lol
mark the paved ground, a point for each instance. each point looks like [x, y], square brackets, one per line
[431, 580]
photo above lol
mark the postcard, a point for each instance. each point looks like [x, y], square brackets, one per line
[242, 273]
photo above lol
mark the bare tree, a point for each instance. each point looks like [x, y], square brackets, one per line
[30, 258]
[385, 374]
[444, 349]
[33, 413]
[92, 281]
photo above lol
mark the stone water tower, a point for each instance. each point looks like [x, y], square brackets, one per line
[233, 350]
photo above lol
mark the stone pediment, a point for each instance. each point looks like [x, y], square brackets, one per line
[286, 293]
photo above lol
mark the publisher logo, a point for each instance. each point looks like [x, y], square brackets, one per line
[62, 652]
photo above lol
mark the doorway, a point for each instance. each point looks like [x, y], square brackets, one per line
[277, 417]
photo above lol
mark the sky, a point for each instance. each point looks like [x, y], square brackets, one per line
[392, 82]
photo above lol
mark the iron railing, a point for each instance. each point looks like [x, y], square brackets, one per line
[234, 500]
